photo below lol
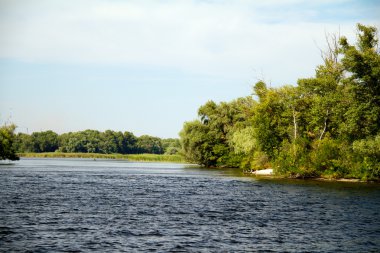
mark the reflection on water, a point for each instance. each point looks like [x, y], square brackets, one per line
[86, 205]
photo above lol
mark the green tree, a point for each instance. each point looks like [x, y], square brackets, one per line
[88, 141]
[207, 140]
[368, 154]
[362, 64]
[149, 144]
[7, 137]
[23, 143]
[171, 146]
[270, 126]
[197, 143]
[109, 143]
[129, 143]
[46, 141]
[328, 125]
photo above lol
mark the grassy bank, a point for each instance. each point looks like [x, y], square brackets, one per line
[129, 157]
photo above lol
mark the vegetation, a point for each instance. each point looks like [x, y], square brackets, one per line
[92, 141]
[326, 126]
[87, 144]
[130, 157]
[7, 136]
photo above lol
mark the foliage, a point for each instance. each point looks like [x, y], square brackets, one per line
[7, 137]
[208, 140]
[44, 141]
[362, 62]
[93, 141]
[149, 144]
[326, 126]
[368, 153]
[171, 146]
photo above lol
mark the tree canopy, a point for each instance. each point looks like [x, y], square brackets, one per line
[7, 137]
[93, 141]
[327, 125]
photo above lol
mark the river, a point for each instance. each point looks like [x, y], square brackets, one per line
[81, 205]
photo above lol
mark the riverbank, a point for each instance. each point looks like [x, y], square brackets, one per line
[129, 157]
[269, 173]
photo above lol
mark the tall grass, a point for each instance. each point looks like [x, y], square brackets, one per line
[129, 157]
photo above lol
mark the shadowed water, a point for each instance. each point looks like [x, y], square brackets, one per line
[109, 206]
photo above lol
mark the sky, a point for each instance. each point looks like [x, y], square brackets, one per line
[147, 66]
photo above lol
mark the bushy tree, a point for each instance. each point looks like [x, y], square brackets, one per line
[149, 144]
[46, 141]
[207, 141]
[368, 155]
[129, 143]
[23, 143]
[111, 142]
[171, 146]
[195, 143]
[7, 138]
[362, 63]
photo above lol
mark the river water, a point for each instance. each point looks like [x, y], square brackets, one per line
[117, 206]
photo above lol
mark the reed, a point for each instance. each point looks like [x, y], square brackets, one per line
[129, 157]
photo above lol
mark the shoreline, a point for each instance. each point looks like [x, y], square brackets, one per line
[269, 174]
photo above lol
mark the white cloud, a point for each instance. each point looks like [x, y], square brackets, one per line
[228, 39]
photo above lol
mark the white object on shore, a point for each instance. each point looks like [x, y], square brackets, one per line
[266, 172]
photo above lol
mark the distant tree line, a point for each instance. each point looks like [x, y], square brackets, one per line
[328, 125]
[93, 141]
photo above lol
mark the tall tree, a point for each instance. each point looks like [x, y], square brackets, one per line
[129, 144]
[46, 141]
[207, 140]
[362, 63]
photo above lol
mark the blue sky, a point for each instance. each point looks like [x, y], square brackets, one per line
[146, 66]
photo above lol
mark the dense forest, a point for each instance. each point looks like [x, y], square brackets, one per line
[92, 141]
[328, 125]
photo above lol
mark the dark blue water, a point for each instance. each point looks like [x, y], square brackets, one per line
[109, 206]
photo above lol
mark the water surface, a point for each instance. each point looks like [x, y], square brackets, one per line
[108, 206]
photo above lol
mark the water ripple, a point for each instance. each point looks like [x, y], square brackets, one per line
[81, 206]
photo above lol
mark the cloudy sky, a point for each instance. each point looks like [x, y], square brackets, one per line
[146, 66]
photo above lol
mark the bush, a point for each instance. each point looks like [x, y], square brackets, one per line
[328, 157]
[292, 160]
[7, 138]
[367, 154]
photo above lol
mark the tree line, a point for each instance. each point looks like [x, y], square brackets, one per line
[328, 125]
[93, 141]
